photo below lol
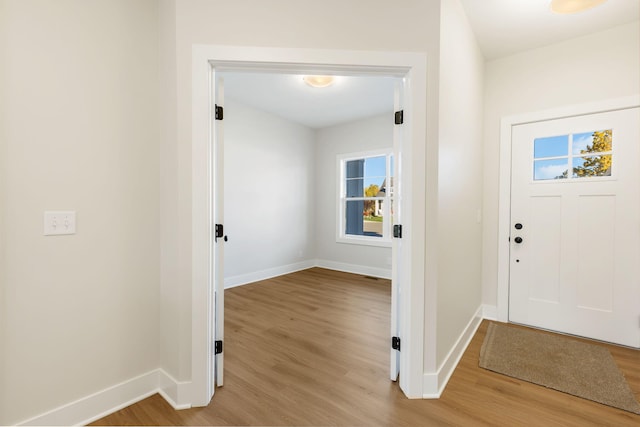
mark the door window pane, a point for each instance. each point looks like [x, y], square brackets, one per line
[592, 166]
[552, 146]
[592, 142]
[550, 169]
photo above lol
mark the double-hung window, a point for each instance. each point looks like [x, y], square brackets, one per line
[365, 206]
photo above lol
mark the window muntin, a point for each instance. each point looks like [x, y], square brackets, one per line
[586, 154]
[366, 191]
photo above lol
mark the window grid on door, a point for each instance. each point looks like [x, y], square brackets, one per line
[573, 156]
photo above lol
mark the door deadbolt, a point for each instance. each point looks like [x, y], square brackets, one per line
[518, 226]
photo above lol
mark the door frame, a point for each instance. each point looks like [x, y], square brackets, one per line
[410, 65]
[504, 201]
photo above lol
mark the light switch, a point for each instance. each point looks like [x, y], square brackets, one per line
[59, 222]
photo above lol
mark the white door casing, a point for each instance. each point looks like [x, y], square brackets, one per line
[575, 269]
[412, 67]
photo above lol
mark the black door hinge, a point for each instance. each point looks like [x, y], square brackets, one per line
[395, 343]
[219, 231]
[219, 112]
[399, 117]
[218, 347]
[397, 231]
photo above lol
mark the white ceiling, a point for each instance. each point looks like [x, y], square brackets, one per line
[286, 95]
[502, 27]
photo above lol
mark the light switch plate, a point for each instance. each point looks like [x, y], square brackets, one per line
[59, 222]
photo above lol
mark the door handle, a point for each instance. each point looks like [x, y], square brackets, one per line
[518, 240]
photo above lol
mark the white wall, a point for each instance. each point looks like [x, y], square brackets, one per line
[80, 133]
[586, 69]
[3, 202]
[459, 178]
[362, 135]
[172, 295]
[269, 206]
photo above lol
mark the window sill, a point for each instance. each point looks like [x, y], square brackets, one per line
[364, 241]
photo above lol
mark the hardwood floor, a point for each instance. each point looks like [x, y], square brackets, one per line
[312, 349]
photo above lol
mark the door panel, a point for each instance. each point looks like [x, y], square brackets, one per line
[545, 248]
[218, 245]
[595, 285]
[396, 215]
[574, 262]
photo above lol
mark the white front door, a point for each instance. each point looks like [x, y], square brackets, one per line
[575, 226]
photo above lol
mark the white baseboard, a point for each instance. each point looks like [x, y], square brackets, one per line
[434, 383]
[256, 276]
[490, 312]
[100, 404]
[176, 393]
[383, 273]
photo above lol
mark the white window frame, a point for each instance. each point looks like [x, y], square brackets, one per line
[341, 236]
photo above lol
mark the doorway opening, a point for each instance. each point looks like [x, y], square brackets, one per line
[209, 60]
[284, 143]
[291, 152]
[307, 173]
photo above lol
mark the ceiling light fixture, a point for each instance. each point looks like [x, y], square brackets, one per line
[319, 81]
[573, 6]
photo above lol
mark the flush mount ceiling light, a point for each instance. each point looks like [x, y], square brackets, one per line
[319, 81]
[573, 6]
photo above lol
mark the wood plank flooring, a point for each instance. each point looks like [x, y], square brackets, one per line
[312, 349]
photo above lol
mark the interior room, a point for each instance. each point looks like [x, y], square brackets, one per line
[281, 176]
[107, 251]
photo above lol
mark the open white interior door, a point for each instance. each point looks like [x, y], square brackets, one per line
[219, 238]
[396, 215]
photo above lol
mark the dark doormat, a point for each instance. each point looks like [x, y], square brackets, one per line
[557, 362]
